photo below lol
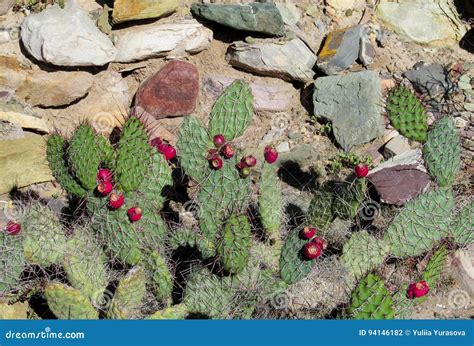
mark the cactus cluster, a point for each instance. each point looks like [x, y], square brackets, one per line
[407, 113]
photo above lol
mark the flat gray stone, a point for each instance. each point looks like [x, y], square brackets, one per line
[265, 18]
[429, 79]
[397, 145]
[353, 104]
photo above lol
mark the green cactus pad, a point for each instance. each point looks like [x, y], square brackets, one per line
[208, 294]
[462, 228]
[107, 153]
[44, 239]
[347, 199]
[56, 158]
[157, 178]
[402, 305]
[442, 152]
[363, 253]
[222, 194]
[435, 267]
[127, 300]
[320, 211]
[234, 247]
[175, 312]
[233, 111]
[85, 263]
[421, 223]
[293, 266]
[159, 277]
[133, 155]
[188, 237]
[371, 300]
[84, 156]
[407, 114]
[193, 146]
[12, 261]
[270, 202]
[67, 303]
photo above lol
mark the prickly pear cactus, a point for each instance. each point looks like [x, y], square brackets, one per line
[347, 199]
[159, 277]
[224, 193]
[407, 114]
[363, 253]
[371, 300]
[44, 239]
[107, 153]
[157, 178]
[270, 201]
[128, 296]
[175, 312]
[57, 163]
[207, 294]
[462, 228]
[421, 223]
[85, 264]
[320, 211]
[12, 261]
[435, 267]
[191, 238]
[67, 303]
[442, 151]
[84, 156]
[133, 155]
[233, 111]
[193, 146]
[234, 247]
[293, 266]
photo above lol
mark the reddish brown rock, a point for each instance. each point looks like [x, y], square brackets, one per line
[171, 92]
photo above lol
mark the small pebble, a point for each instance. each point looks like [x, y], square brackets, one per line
[283, 147]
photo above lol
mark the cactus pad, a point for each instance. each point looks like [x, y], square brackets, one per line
[234, 249]
[462, 229]
[407, 114]
[270, 202]
[68, 303]
[233, 111]
[176, 312]
[421, 223]
[127, 300]
[159, 277]
[12, 261]
[435, 267]
[371, 300]
[320, 212]
[363, 253]
[442, 152]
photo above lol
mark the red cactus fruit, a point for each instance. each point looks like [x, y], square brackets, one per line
[13, 228]
[116, 200]
[241, 164]
[361, 170]
[250, 161]
[312, 250]
[134, 214]
[271, 155]
[418, 289]
[308, 232]
[323, 244]
[105, 188]
[219, 140]
[168, 151]
[216, 163]
[212, 154]
[228, 151]
[155, 142]
[104, 175]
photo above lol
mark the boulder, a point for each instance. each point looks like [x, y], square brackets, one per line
[264, 18]
[66, 37]
[127, 10]
[290, 60]
[430, 79]
[171, 92]
[176, 39]
[353, 104]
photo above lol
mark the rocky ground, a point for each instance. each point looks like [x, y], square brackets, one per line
[320, 72]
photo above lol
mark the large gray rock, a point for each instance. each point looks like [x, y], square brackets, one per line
[290, 60]
[430, 22]
[66, 37]
[171, 39]
[265, 18]
[353, 104]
